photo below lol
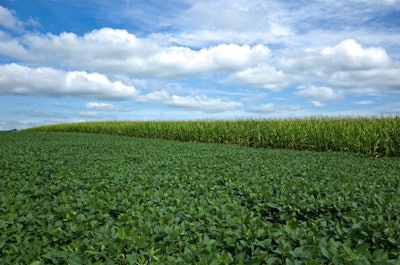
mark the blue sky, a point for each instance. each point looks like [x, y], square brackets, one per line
[70, 61]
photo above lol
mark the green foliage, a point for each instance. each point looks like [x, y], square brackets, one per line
[373, 136]
[97, 199]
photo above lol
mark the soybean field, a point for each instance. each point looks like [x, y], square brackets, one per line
[80, 198]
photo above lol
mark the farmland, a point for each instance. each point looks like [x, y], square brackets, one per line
[79, 198]
[374, 136]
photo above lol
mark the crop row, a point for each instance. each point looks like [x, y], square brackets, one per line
[373, 136]
[97, 199]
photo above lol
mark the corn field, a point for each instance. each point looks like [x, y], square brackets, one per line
[374, 136]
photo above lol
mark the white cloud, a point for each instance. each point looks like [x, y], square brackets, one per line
[100, 106]
[372, 80]
[157, 96]
[45, 81]
[181, 61]
[210, 49]
[291, 24]
[364, 91]
[349, 55]
[118, 52]
[97, 50]
[347, 65]
[112, 51]
[265, 108]
[8, 19]
[318, 93]
[264, 76]
[318, 104]
[191, 102]
[226, 15]
[206, 104]
[12, 48]
[364, 102]
[208, 23]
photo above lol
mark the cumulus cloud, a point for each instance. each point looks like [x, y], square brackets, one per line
[118, 52]
[13, 48]
[318, 93]
[191, 102]
[97, 50]
[364, 102]
[318, 104]
[100, 106]
[368, 80]
[347, 65]
[44, 81]
[157, 96]
[204, 103]
[349, 55]
[264, 108]
[264, 76]
[114, 51]
[9, 20]
[205, 59]
[178, 61]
